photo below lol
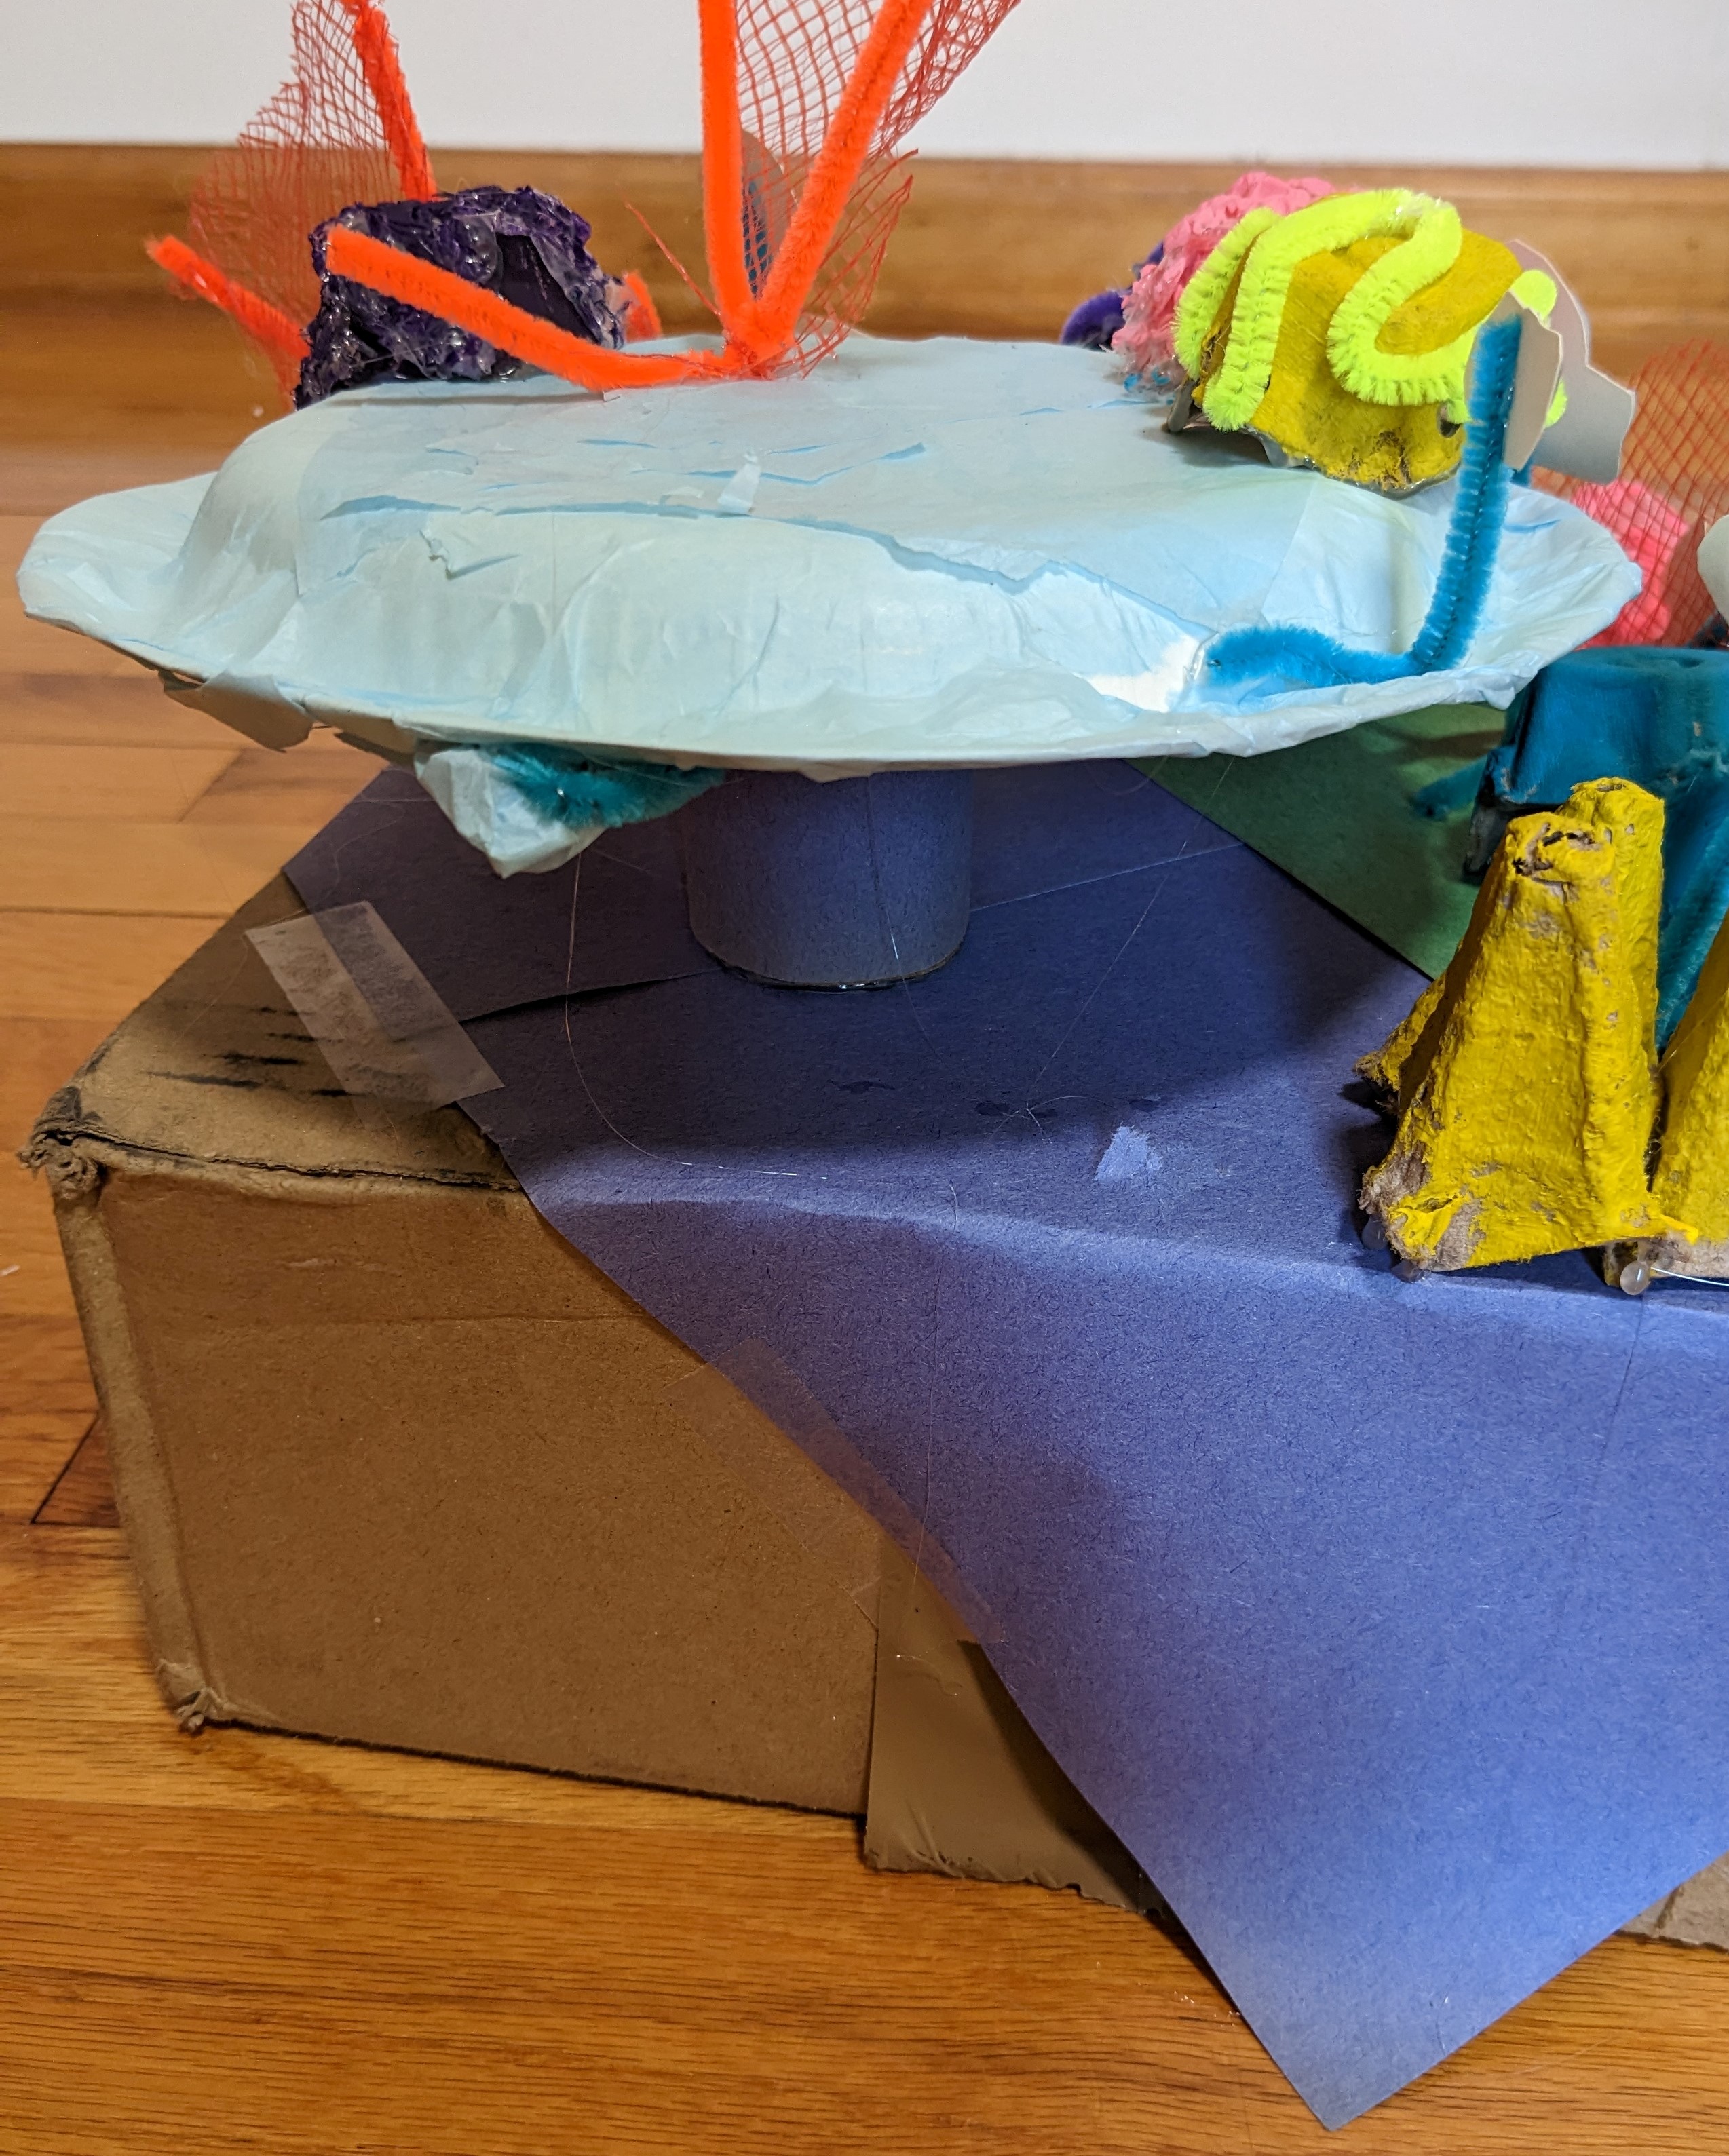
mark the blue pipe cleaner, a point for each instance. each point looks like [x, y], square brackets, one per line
[1473, 531]
[569, 786]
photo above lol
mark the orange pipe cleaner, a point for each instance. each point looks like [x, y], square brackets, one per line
[513, 329]
[382, 65]
[723, 171]
[286, 342]
[837, 165]
[759, 331]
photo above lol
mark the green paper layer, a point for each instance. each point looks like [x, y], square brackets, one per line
[1336, 813]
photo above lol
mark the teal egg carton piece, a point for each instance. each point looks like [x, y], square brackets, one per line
[1658, 715]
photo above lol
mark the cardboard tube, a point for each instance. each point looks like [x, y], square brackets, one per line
[848, 883]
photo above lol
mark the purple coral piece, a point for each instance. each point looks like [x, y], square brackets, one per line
[1095, 322]
[526, 246]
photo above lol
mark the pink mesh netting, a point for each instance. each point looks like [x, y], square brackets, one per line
[1674, 486]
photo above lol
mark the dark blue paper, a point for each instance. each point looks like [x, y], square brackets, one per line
[1385, 1624]
[845, 883]
[486, 942]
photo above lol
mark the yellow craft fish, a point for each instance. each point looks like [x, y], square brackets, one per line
[1341, 333]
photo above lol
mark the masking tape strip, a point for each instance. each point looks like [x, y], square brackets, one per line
[758, 1372]
[381, 1025]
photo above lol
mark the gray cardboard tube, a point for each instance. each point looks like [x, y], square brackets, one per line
[842, 883]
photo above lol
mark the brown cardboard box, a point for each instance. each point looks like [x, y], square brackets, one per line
[397, 1465]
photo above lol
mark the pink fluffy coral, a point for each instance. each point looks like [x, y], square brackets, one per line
[1149, 311]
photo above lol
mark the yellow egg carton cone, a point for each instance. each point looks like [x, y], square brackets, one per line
[1692, 1178]
[1525, 1078]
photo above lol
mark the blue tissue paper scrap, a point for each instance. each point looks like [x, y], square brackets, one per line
[1387, 1625]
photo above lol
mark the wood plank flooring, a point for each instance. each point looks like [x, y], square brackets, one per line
[233, 1942]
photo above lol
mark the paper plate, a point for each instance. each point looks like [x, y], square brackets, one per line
[936, 553]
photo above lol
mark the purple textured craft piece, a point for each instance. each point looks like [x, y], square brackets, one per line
[1385, 1624]
[526, 246]
[1095, 322]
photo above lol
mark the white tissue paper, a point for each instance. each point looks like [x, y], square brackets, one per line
[491, 813]
[945, 552]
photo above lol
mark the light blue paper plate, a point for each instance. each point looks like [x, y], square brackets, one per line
[946, 552]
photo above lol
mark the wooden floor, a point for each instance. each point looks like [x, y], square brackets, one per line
[231, 1941]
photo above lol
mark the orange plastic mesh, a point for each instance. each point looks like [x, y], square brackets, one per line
[804, 104]
[1674, 486]
[341, 130]
[795, 60]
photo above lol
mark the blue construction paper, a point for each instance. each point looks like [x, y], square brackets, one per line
[393, 844]
[1037, 829]
[487, 943]
[1385, 1624]
[947, 552]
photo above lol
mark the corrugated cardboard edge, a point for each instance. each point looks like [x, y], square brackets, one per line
[1696, 1915]
[75, 1148]
[76, 1165]
[75, 1170]
[960, 1783]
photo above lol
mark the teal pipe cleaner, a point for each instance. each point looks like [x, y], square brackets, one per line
[1473, 533]
[579, 790]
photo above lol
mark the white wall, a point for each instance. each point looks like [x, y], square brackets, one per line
[1292, 82]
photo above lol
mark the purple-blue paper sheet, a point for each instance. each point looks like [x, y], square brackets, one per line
[1387, 1625]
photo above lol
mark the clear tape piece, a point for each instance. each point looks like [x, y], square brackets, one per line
[381, 1025]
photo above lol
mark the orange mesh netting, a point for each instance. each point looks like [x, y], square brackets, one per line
[1674, 486]
[804, 104]
[802, 67]
[341, 130]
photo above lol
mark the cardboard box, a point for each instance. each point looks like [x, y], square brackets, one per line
[398, 1465]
